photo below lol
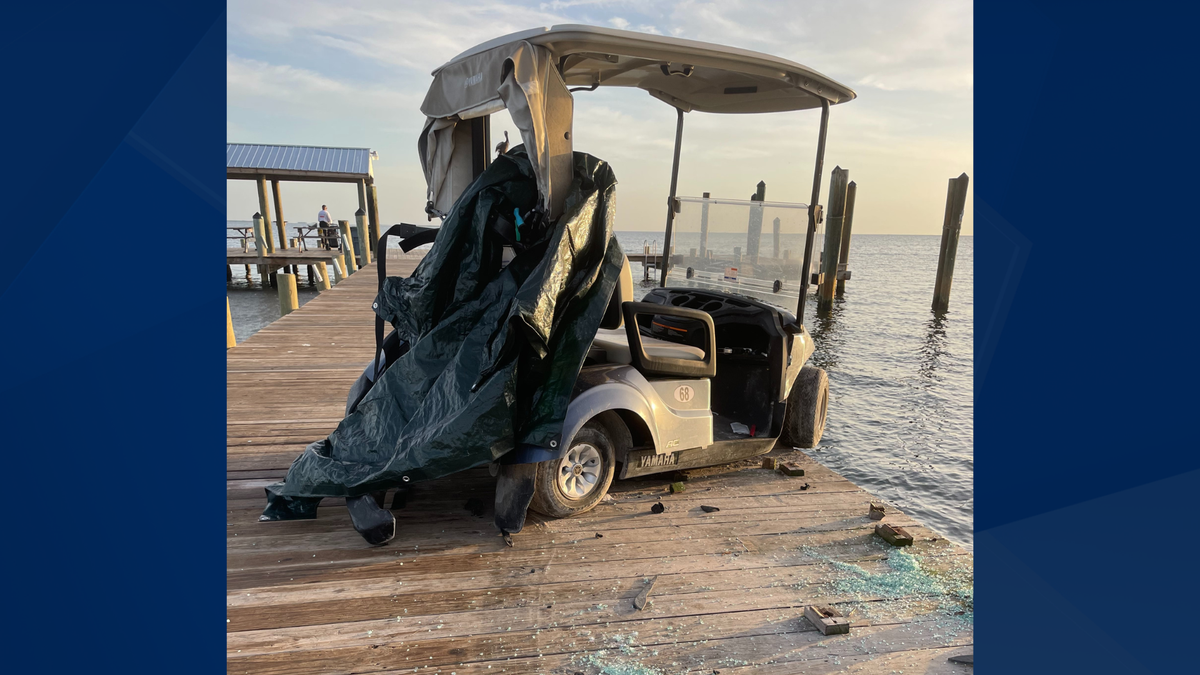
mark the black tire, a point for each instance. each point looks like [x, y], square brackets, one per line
[549, 497]
[804, 421]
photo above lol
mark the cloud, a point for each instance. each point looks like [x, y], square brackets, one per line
[355, 72]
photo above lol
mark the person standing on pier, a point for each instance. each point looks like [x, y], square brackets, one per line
[329, 236]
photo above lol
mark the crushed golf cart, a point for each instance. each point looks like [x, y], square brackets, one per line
[521, 341]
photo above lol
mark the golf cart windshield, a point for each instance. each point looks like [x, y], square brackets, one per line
[747, 247]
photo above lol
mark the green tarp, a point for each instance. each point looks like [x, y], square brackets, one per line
[493, 349]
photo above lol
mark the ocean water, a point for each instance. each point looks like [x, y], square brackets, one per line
[900, 420]
[900, 378]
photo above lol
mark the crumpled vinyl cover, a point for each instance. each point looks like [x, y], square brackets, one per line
[494, 350]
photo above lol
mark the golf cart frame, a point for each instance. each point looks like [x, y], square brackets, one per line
[662, 366]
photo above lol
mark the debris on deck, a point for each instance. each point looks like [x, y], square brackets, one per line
[449, 596]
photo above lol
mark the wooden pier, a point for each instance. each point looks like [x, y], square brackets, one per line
[447, 596]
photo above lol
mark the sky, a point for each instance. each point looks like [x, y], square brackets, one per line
[353, 73]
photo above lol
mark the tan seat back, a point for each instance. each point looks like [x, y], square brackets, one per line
[622, 292]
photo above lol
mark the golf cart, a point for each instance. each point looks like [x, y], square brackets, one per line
[521, 340]
[684, 376]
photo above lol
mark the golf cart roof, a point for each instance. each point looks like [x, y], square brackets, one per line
[719, 79]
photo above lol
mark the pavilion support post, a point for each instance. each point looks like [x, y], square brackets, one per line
[844, 250]
[265, 209]
[364, 239]
[373, 212]
[230, 338]
[956, 202]
[838, 179]
[322, 276]
[289, 299]
[282, 224]
[667, 244]
[348, 247]
[365, 210]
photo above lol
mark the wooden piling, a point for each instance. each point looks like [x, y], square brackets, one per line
[322, 276]
[230, 338]
[283, 238]
[373, 211]
[339, 268]
[262, 239]
[365, 231]
[833, 237]
[704, 226]
[288, 298]
[956, 201]
[844, 249]
[265, 209]
[754, 227]
[364, 238]
[348, 246]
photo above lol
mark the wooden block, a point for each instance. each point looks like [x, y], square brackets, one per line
[678, 487]
[770, 463]
[827, 620]
[643, 597]
[876, 511]
[896, 536]
[791, 469]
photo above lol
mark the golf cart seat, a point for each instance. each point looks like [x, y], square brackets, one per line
[611, 344]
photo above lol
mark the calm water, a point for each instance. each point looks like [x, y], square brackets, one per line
[900, 379]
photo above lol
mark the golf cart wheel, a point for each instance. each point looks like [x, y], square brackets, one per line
[577, 482]
[804, 421]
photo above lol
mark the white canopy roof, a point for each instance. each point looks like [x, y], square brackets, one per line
[722, 79]
[529, 72]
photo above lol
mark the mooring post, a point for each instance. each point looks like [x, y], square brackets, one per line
[348, 247]
[754, 227]
[364, 238]
[339, 268]
[288, 298]
[262, 238]
[364, 209]
[704, 227]
[844, 249]
[956, 202]
[833, 237]
[373, 211]
[283, 238]
[265, 209]
[322, 276]
[230, 338]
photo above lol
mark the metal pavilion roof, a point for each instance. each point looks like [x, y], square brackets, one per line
[297, 162]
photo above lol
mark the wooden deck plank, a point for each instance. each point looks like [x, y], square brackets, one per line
[310, 596]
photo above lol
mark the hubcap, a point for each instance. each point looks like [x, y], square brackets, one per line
[579, 471]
